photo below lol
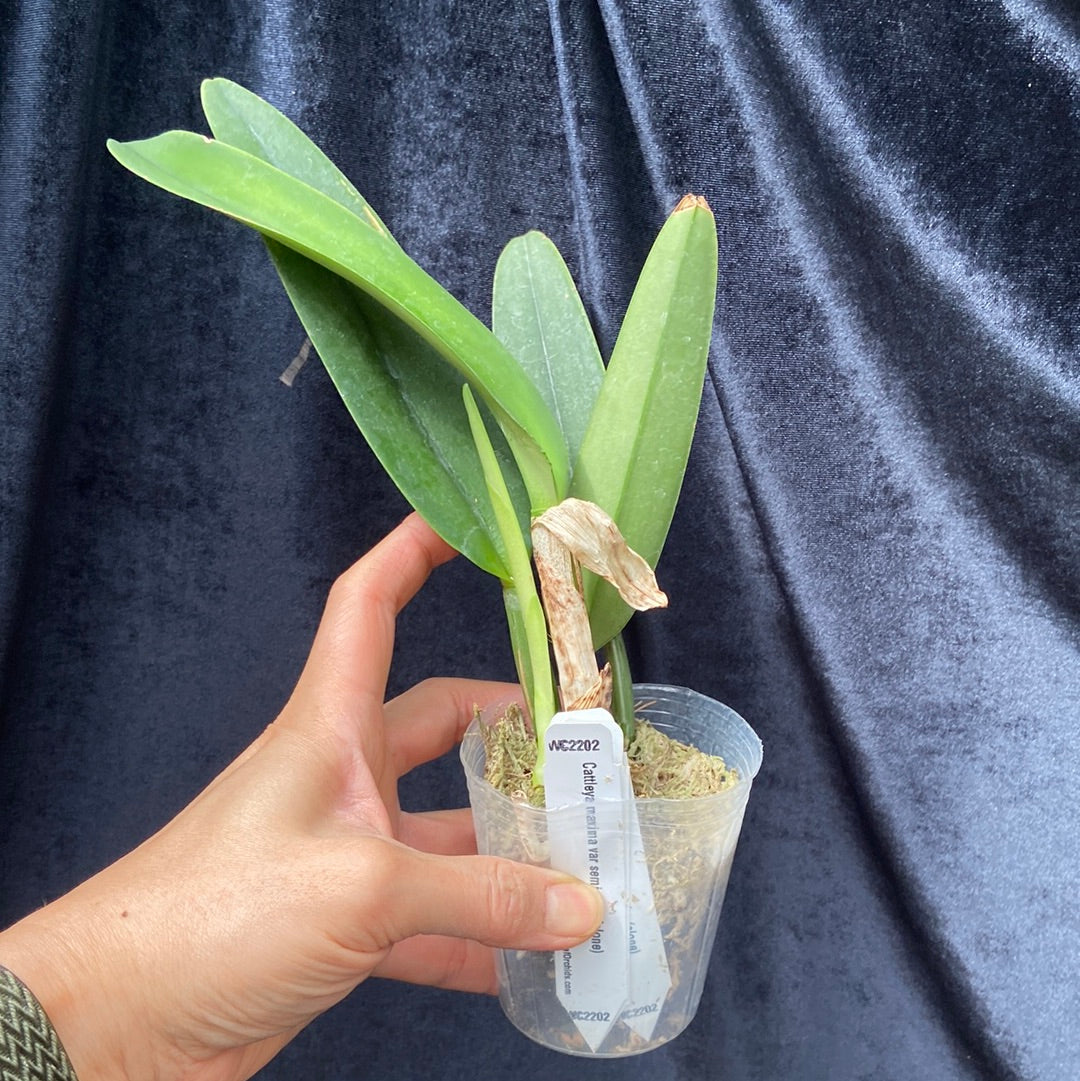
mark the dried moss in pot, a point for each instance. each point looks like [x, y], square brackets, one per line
[660, 767]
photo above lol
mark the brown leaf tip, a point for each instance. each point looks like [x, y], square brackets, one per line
[692, 202]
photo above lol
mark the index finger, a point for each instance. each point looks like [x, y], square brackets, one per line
[355, 640]
[430, 718]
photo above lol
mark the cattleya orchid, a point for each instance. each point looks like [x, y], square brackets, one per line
[547, 468]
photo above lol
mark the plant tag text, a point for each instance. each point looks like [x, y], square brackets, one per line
[621, 973]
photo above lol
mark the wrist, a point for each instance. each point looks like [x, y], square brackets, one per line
[66, 972]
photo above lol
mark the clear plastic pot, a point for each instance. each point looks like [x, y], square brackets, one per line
[688, 846]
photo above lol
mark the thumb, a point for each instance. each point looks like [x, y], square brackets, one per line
[494, 901]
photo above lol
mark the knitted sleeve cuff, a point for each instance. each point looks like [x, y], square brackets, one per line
[30, 1050]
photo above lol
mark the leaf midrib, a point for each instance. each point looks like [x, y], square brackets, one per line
[539, 322]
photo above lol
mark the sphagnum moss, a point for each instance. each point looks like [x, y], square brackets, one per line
[660, 767]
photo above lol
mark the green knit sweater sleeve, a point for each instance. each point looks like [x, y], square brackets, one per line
[30, 1050]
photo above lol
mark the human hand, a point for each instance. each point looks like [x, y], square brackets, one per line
[295, 875]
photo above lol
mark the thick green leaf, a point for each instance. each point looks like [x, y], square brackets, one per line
[528, 626]
[635, 451]
[242, 119]
[537, 314]
[405, 401]
[310, 222]
[400, 392]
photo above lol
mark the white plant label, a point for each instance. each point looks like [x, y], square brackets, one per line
[650, 979]
[621, 973]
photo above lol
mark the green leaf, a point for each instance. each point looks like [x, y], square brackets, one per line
[525, 613]
[622, 687]
[395, 385]
[244, 120]
[404, 399]
[637, 444]
[537, 314]
[288, 210]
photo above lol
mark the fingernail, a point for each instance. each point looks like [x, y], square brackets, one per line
[572, 910]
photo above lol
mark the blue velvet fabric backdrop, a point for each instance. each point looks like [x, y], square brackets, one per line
[875, 560]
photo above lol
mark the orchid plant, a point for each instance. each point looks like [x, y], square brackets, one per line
[547, 468]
